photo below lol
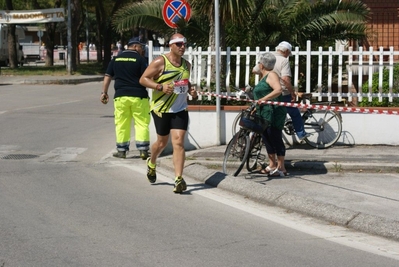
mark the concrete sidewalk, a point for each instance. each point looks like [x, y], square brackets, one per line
[356, 187]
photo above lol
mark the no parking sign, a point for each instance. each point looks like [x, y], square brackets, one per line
[173, 10]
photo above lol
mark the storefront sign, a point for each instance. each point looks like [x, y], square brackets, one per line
[32, 16]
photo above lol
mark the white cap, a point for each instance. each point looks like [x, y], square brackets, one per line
[285, 45]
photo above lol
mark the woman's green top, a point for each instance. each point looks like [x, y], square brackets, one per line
[274, 114]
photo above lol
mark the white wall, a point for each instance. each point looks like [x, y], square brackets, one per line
[357, 129]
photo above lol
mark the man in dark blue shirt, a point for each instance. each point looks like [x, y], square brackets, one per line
[130, 99]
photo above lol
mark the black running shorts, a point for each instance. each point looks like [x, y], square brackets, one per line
[169, 121]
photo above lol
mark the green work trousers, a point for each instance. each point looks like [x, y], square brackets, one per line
[126, 109]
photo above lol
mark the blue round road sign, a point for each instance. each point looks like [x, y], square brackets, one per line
[173, 10]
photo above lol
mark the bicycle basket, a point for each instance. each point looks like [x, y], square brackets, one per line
[251, 121]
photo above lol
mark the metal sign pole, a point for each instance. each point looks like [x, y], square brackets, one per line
[217, 56]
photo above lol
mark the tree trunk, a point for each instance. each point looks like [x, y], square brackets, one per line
[99, 39]
[107, 27]
[12, 47]
[76, 10]
[107, 45]
[12, 44]
[50, 37]
[79, 27]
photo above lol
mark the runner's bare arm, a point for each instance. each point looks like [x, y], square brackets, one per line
[153, 71]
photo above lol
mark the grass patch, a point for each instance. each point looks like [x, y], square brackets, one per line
[213, 167]
[56, 70]
[337, 167]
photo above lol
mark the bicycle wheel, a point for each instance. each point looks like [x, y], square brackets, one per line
[324, 128]
[235, 127]
[236, 153]
[255, 158]
[289, 127]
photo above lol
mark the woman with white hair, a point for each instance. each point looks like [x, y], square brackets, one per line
[269, 89]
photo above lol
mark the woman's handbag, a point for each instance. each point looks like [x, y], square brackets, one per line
[252, 121]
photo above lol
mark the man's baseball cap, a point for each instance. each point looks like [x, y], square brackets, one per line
[135, 40]
[286, 45]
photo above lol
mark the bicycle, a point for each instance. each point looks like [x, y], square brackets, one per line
[244, 94]
[323, 126]
[244, 147]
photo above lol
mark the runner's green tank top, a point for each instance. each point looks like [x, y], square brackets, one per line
[177, 101]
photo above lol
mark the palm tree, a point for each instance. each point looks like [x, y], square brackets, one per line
[297, 21]
[148, 14]
[257, 22]
[230, 12]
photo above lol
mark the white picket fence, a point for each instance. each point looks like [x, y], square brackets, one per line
[353, 66]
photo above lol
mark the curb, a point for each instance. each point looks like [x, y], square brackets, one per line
[73, 80]
[370, 167]
[64, 81]
[359, 221]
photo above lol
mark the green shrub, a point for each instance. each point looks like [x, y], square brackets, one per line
[385, 89]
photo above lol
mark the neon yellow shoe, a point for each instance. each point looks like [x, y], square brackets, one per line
[180, 185]
[151, 172]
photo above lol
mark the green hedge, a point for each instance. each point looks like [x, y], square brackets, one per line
[385, 89]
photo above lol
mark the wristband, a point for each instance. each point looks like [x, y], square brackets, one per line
[103, 93]
[159, 87]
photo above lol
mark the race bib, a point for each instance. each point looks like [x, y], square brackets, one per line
[181, 87]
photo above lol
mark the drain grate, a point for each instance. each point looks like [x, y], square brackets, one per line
[18, 156]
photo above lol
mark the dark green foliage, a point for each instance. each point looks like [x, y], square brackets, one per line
[385, 89]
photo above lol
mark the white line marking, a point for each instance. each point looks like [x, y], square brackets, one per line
[63, 154]
[41, 106]
[8, 148]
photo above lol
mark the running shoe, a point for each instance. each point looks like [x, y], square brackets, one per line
[180, 185]
[151, 172]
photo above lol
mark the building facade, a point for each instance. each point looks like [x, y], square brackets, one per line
[383, 25]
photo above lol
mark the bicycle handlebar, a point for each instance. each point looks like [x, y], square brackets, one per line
[246, 92]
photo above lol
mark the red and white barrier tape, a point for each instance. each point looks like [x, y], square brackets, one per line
[317, 107]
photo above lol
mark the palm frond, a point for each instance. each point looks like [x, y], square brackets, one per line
[145, 14]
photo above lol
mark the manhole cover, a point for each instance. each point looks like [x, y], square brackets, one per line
[18, 156]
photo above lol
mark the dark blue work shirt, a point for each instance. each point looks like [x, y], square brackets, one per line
[126, 69]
